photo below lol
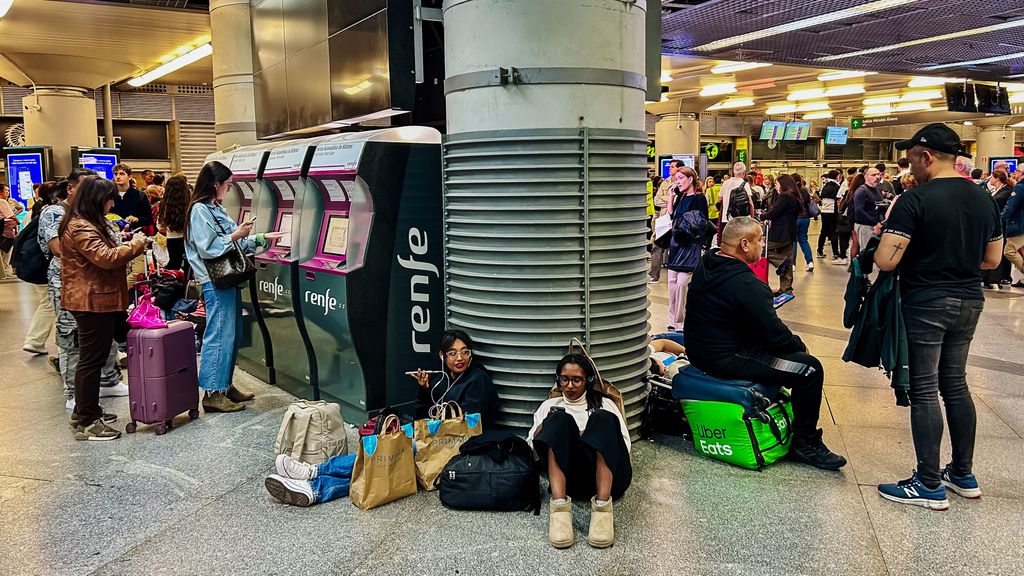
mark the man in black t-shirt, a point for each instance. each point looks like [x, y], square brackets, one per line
[941, 234]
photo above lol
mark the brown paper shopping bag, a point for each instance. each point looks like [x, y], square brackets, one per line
[384, 470]
[438, 441]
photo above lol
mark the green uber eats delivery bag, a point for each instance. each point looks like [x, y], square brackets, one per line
[742, 423]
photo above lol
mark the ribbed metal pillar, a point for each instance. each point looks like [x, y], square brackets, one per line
[545, 168]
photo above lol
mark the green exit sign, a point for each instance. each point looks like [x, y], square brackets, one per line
[856, 123]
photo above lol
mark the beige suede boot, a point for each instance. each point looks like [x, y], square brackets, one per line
[602, 525]
[560, 524]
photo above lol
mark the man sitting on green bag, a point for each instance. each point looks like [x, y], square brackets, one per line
[732, 332]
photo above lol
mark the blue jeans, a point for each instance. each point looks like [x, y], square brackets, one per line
[333, 478]
[676, 337]
[222, 337]
[802, 224]
[939, 335]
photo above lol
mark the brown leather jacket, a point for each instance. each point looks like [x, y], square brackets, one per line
[93, 269]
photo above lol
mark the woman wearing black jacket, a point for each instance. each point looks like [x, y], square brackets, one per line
[1000, 182]
[462, 380]
[782, 218]
[828, 194]
[688, 233]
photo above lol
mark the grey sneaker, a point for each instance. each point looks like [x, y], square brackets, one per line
[106, 418]
[97, 431]
[290, 491]
[294, 469]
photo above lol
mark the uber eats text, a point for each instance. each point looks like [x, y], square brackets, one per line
[709, 441]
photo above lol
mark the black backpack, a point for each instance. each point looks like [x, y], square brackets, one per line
[493, 471]
[27, 257]
[739, 201]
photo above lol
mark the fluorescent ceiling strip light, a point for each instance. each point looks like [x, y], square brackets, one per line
[912, 106]
[820, 20]
[665, 77]
[812, 106]
[1013, 87]
[718, 89]
[1017, 125]
[881, 100]
[941, 37]
[922, 95]
[176, 64]
[810, 94]
[845, 90]
[928, 82]
[877, 110]
[780, 109]
[817, 115]
[5, 5]
[733, 103]
[843, 75]
[728, 67]
[1016, 97]
[975, 62]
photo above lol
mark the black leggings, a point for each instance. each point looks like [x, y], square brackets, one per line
[577, 454]
[828, 232]
[798, 371]
[96, 332]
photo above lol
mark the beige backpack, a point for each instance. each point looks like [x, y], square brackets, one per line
[312, 431]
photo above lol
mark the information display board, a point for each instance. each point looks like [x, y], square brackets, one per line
[836, 135]
[687, 159]
[797, 131]
[772, 130]
[24, 170]
[1011, 161]
[102, 164]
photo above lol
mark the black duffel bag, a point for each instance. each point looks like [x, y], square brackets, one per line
[493, 471]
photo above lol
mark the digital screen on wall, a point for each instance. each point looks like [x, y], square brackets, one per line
[992, 100]
[102, 164]
[24, 170]
[797, 131]
[960, 97]
[773, 130]
[1010, 161]
[336, 237]
[836, 135]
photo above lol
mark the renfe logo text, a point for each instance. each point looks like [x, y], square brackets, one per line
[419, 315]
[326, 301]
[274, 288]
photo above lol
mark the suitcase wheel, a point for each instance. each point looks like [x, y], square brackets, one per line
[130, 427]
[161, 429]
[193, 414]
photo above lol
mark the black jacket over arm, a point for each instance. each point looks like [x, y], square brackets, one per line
[473, 391]
[135, 204]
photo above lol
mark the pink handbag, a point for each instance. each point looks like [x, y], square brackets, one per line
[146, 314]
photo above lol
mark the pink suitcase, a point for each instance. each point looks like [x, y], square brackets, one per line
[162, 377]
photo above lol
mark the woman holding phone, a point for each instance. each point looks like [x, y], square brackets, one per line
[209, 233]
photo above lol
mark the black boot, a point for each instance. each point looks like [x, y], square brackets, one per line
[812, 451]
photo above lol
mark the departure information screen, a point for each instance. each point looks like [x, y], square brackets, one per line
[336, 238]
[836, 135]
[797, 131]
[286, 227]
[772, 130]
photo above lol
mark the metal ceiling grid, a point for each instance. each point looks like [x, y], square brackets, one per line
[686, 29]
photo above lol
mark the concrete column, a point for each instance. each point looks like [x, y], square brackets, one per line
[64, 117]
[233, 98]
[677, 134]
[993, 141]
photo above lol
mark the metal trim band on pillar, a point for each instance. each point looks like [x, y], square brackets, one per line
[545, 240]
[554, 75]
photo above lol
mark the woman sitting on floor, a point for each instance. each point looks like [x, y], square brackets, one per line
[462, 379]
[581, 440]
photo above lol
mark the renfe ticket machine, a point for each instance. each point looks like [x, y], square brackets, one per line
[369, 244]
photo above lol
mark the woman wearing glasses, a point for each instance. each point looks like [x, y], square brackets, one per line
[582, 441]
[462, 379]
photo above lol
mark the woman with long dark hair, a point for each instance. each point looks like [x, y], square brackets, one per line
[209, 233]
[42, 320]
[462, 379]
[781, 218]
[582, 441]
[690, 223]
[171, 219]
[95, 291]
[803, 224]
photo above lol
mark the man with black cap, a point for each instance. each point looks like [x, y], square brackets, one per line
[941, 234]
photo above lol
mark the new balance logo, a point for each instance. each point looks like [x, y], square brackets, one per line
[911, 492]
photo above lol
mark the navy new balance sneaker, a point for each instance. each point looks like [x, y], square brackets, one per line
[912, 491]
[966, 486]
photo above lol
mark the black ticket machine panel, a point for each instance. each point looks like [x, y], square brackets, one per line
[371, 266]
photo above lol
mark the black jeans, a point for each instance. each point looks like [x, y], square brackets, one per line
[95, 335]
[842, 237]
[576, 454]
[939, 336]
[799, 371]
[828, 232]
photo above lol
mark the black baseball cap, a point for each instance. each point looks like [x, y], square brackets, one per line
[938, 137]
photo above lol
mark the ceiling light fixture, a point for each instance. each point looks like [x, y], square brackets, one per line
[717, 89]
[919, 41]
[774, 109]
[976, 62]
[178, 63]
[733, 103]
[727, 67]
[1016, 97]
[912, 107]
[881, 100]
[1017, 125]
[812, 106]
[1012, 87]
[822, 19]
[921, 95]
[817, 115]
[843, 75]
[5, 5]
[809, 94]
[847, 90]
[928, 81]
[877, 110]
[665, 77]
[664, 98]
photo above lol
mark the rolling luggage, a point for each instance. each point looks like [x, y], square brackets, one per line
[162, 377]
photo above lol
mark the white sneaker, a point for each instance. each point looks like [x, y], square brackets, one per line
[840, 261]
[294, 469]
[651, 280]
[117, 390]
[290, 491]
[810, 267]
[69, 404]
[33, 349]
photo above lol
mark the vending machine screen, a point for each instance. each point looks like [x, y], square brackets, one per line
[336, 238]
[286, 227]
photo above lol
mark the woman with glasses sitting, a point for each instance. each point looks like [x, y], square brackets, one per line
[581, 439]
[461, 379]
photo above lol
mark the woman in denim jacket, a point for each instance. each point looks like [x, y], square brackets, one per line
[209, 232]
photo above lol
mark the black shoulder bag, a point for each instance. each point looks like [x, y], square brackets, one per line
[231, 268]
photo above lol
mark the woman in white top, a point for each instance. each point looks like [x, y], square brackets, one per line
[582, 441]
